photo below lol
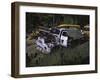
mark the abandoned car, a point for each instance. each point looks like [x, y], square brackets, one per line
[57, 36]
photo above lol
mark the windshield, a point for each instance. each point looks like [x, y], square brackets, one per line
[64, 34]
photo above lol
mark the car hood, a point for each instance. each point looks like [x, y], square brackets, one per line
[74, 33]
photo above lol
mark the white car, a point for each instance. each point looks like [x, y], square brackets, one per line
[59, 36]
[63, 36]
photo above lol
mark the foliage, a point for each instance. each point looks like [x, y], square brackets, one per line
[33, 20]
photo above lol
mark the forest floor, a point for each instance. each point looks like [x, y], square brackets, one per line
[79, 54]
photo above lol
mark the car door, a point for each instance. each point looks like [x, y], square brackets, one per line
[64, 38]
